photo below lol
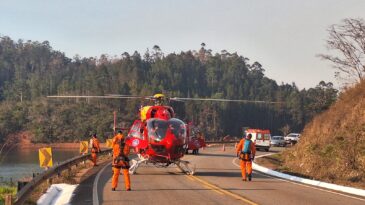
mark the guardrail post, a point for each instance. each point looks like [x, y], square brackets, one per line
[8, 199]
[49, 181]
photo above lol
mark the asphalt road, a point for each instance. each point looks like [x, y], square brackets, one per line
[217, 181]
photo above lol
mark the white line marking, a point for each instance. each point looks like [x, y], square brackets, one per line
[264, 155]
[95, 185]
[296, 183]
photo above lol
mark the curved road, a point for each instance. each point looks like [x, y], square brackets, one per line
[217, 181]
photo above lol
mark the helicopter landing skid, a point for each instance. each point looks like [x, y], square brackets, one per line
[136, 163]
[184, 167]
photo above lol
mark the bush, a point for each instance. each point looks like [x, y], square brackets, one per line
[4, 190]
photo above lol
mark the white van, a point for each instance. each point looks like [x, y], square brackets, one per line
[261, 138]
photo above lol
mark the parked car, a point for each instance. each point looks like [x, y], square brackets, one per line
[292, 138]
[278, 141]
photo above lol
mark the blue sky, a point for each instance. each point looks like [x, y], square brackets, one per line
[283, 35]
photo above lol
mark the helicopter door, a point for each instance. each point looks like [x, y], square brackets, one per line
[135, 136]
[135, 130]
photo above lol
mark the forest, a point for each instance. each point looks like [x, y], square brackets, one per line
[30, 71]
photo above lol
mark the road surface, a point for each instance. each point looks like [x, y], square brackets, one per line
[217, 181]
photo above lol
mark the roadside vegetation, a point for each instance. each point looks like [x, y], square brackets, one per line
[332, 146]
[5, 190]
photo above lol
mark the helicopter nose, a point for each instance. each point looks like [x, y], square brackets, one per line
[171, 140]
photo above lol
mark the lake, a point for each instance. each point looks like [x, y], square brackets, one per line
[21, 163]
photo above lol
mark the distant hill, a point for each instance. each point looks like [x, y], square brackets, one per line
[31, 70]
[332, 146]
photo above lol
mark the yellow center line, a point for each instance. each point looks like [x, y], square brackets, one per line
[190, 178]
[210, 188]
[222, 191]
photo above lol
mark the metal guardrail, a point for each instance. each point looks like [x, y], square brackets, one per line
[25, 192]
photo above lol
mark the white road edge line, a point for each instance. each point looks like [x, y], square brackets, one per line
[296, 183]
[95, 185]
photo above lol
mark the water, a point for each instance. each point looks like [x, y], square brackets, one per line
[22, 163]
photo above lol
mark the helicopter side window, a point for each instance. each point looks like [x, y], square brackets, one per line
[153, 113]
[135, 130]
[171, 112]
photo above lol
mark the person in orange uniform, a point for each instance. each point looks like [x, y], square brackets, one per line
[246, 150]
[95, 148]
[120, 161]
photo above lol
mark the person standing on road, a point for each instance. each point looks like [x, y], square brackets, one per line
[95, 148]
[120, 161]
[246, 151]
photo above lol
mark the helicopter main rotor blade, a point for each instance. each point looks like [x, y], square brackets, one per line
[93, 96]
[119, 95]
[223, 100]
[132, 96]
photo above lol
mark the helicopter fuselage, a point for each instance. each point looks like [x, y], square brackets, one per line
[158, 136]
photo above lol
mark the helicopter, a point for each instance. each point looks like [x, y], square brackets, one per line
[157, 136]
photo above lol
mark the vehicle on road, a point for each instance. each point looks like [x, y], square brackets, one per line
[195, 143]
[277, 141]
[292, 138]
[196, 139]
[261, 138]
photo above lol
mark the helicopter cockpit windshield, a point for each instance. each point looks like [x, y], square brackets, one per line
[157, 129]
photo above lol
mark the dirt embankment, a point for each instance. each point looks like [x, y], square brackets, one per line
[332, 146]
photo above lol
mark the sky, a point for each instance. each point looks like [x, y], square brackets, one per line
[283, 35]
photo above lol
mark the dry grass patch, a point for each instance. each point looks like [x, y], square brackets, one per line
[332, 146]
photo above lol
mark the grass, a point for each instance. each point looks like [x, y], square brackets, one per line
[4, 190]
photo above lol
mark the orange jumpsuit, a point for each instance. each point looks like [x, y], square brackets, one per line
[120, 161]
[94, 150]
[246, 165]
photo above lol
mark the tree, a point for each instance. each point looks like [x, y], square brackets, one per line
[348, 41]
[285, 130]
[10, 143]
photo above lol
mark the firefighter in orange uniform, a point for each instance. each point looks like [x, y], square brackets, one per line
[120, 161]
[95, 148]
[246, 151]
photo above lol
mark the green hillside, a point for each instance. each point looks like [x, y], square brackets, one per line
[29, 71]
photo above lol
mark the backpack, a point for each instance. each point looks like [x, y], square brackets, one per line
[247, 147]
[245, 154]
